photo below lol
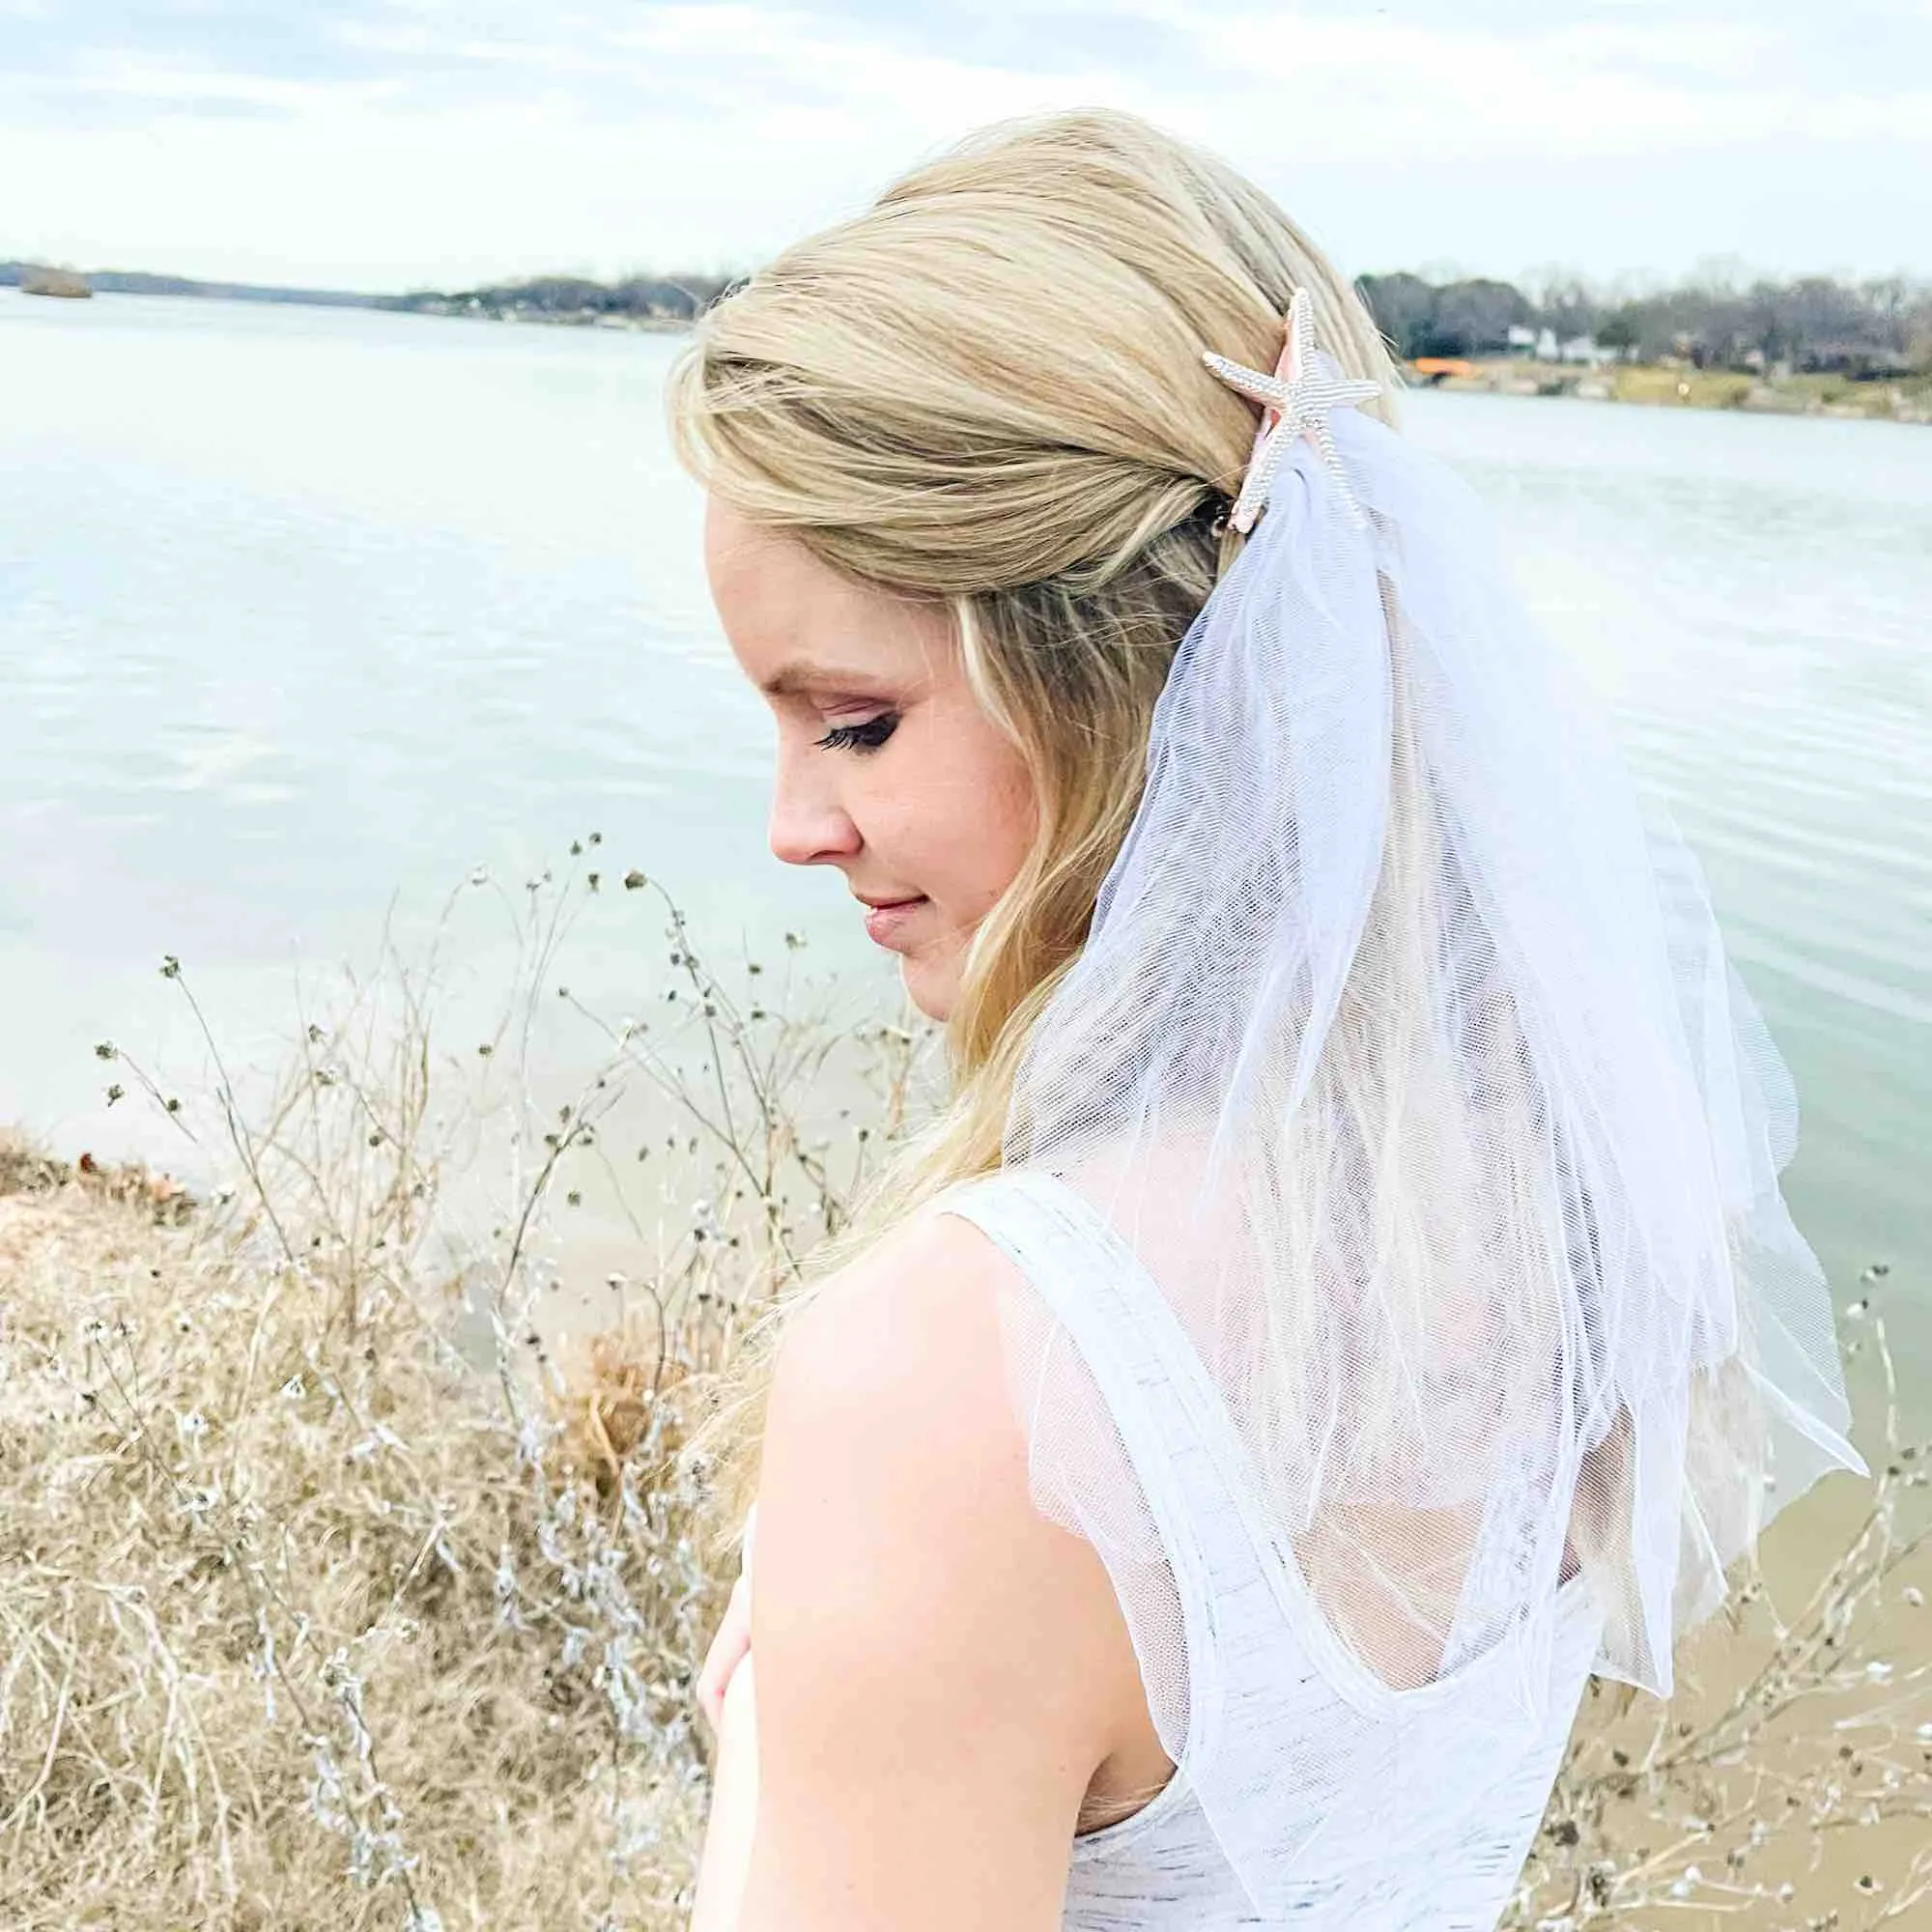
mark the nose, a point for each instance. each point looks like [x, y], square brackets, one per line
[808, 826]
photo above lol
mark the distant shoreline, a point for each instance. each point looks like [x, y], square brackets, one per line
[1666, 386]
[1669, 384]
[643, 302]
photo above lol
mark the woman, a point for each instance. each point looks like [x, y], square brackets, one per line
[1347, 1299]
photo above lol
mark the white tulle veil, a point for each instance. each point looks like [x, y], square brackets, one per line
[1406, 1057]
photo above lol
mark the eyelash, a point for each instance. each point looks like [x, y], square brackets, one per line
[866, 737]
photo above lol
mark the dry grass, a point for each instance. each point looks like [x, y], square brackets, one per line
[289, 1606]
[340, 1591]
[343, 1591]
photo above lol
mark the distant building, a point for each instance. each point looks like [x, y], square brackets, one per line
[1542, 345]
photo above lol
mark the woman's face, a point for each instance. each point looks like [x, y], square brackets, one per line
[887, 767]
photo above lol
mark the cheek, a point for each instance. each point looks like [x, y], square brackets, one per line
[1007, 826]
[975, 825]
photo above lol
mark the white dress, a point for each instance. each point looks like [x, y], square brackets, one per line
[1309, 1793]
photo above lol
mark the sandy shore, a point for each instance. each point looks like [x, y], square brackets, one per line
[1908, 400]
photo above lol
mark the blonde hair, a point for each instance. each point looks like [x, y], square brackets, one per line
[987, 389]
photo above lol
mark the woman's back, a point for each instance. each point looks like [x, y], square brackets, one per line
[947, 1680]
[1346, 1802]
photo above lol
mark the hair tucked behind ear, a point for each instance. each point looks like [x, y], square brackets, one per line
[987, 389]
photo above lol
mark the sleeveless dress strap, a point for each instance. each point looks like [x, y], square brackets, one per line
[1114, 1317]
[1172, 1422]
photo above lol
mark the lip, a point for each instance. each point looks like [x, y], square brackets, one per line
[887, 919]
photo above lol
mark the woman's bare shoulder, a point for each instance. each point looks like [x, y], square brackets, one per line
[896, 1533]
[910, 1330]
[889, 1405]
[930, 1709]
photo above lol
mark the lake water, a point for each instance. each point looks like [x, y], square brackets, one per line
[304, 610]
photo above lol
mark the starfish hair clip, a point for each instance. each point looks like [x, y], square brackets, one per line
[1295, 402]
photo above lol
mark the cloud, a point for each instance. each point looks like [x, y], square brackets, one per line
[1376, 89]
[69, 40]
[1605, 73]
[388, 142]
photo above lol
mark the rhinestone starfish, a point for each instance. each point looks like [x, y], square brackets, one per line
[1295, 401]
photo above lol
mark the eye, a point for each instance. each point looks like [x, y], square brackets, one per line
[866, 737]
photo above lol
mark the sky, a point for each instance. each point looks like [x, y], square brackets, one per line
[395, 144]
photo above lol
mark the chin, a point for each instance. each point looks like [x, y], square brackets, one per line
[932, 986]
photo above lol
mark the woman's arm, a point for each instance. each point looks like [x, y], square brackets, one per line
[734, 1796]
[937, 1665]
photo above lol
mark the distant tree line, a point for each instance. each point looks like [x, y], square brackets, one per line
[672, 297]
[1872, 328]
[137, 282]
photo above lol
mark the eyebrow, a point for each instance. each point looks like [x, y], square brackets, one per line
[803, 674]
